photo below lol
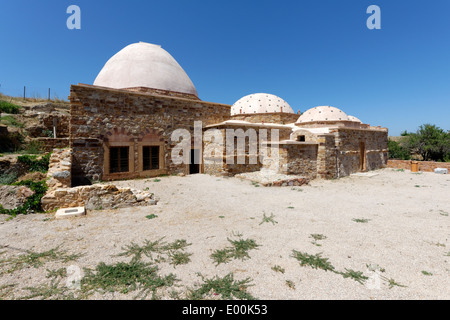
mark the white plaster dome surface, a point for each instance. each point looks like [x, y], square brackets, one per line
[323, 113]
[145, 65]
[260, 103]
[354, 119]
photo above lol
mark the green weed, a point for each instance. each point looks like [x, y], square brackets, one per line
[227, 288]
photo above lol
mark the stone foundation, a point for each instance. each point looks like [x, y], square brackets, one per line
[96, 197]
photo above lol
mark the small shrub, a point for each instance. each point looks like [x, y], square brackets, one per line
[238, 250]
[8, 178]
[11, 121]
[355, 275]
[278, 269]
[361, 220]
[7, 107]
[151, 216]
[33, 203]
[290, 284]
[227, 287]
[268, 219]
[126, 277]
[34, 164]
[314, 261]
[36, 259]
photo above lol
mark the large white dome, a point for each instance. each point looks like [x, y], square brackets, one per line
[144, 65]
[323, 113]
[260, 103]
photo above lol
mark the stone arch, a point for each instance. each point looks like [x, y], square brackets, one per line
[118, 135]
[152, 136]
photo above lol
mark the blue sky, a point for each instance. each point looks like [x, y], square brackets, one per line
[310, 53]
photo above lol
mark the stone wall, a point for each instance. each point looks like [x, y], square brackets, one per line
[426, 166]
[299, 159]
[60, 169]
[351, 142]
[48, 144]
[326, 157]
[62, 123]
[275, 117]
[101, 117]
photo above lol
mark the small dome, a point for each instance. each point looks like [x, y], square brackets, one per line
[260, 103]
[145, 65]
[323, 113]
[354, 119]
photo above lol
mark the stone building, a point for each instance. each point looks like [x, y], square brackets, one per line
[143, 106]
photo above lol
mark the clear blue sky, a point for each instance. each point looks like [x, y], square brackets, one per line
[310, 53]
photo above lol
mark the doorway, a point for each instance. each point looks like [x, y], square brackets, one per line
[362, 156]
[194, 164]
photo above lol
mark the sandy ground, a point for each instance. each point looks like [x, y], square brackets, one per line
[407, 234]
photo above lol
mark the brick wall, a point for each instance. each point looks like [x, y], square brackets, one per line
[426, 166]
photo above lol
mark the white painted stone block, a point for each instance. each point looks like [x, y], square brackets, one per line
[441, 170]
[70, 212]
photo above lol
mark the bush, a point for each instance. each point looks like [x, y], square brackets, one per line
[34, 164]
[33, 203]
[397, 151]
[7, 107]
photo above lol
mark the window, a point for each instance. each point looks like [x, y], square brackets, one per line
[118, 159]
[150, 158]
[301, 138]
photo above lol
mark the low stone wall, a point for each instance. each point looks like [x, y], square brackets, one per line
[96, 197]
[48, 144]
[426, 166]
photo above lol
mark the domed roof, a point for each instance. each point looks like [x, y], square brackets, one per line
[323, 113]
[145, 65]
[260, 103]
[354, 119]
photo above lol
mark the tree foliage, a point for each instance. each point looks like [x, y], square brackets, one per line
[430, 142]
[398, 151]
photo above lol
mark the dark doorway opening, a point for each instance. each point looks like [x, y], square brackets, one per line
[362, 156]
[194, 164]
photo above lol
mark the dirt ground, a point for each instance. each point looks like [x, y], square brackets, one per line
[393, 227]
